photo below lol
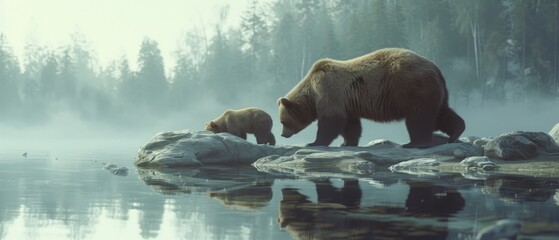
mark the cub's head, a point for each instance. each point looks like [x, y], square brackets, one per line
[292, 118]
[212, 127]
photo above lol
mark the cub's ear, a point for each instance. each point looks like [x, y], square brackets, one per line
[285, 102]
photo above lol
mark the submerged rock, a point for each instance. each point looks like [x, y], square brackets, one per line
[121, 171]
[502, 229]
[520, 145]
[115, 170]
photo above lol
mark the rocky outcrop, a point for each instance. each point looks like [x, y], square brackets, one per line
[520, 145]
[478, 157]
[187, 148]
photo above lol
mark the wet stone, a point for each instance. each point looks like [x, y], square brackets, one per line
[520, 145]
[478, 163]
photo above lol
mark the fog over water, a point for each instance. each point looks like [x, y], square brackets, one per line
[72, 78]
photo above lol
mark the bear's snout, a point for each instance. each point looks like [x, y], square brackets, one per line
[286, 133]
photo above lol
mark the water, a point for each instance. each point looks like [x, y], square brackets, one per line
[68, 194]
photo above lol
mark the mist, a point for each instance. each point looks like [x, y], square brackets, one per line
[500, 59]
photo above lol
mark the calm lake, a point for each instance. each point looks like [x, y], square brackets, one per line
[69, 194]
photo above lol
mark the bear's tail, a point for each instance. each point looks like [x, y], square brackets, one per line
[448, 120]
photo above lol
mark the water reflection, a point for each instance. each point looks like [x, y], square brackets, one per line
[236, 187]
[518, 189]
[241, 186]
[337, 213]
[75, 198]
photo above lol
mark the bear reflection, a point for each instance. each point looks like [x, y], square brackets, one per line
[426, 198]
[338, 214]
[349, 195]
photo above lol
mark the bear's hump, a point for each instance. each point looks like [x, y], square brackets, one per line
[325, 64]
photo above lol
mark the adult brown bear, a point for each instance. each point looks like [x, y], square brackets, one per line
[247, 120]
[386, 85]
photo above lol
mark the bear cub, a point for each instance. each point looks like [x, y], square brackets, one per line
[247, 120]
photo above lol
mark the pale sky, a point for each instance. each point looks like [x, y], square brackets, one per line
[113, 27]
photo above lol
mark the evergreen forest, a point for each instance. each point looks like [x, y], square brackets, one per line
[488, 50]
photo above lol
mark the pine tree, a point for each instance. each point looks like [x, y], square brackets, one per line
[152, 82]
[9, 76]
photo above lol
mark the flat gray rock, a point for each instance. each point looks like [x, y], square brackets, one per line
[188, 148]
[419, 166]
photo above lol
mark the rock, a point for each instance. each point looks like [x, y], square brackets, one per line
[482, 141]
[121, 171]
[478, 163]
[187, 148]
[315, 160]
[109, 166]
[470, 139]
[502, 229]
[115, 170]
[520, 145]
[416, 166]
[460, 154]
[382, 142]
[554, 133]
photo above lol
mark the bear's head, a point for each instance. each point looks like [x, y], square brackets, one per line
[292, 118]
[212, 127]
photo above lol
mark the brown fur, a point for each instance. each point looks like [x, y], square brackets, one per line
[386, 85]
[240, 122]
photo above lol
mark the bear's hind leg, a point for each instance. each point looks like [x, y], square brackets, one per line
[260, 138]
[352, 132]
[450, 123]
[267, 138]
[420, 129]
[271, 139]
[328, 129]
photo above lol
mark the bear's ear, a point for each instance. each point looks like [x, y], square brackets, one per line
[285, 102]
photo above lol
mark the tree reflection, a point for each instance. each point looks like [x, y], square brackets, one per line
[519, 189]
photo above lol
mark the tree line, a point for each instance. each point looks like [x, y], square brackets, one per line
[498, 50]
